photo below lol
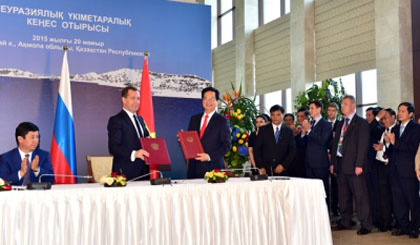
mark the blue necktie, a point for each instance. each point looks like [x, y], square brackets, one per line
[401, 130]
[312, 124]
[277, 134]
[27, 176]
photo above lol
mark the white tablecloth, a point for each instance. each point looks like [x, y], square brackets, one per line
[188, 212]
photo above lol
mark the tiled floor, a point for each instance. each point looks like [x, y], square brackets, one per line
[347, 237]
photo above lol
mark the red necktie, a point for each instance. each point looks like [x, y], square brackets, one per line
[203, 128]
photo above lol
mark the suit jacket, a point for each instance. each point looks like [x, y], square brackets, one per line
[376, 131]
[404, 151]
[10, 166]
[215, 141]
[355, 145]
[317, 142]
[122, 141]
[418, 159]
[269, 154]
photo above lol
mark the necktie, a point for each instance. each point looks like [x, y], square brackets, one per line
[312, 124]
[343, 131]
[277, 134]
[203, 128]
[401, 129]
[27, 176]
[136, 120]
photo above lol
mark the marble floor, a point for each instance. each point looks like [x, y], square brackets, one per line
[347, 237]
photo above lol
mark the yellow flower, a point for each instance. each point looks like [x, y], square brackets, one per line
[246, 144]
[241, 141]
[234, 149]
[238, 135]
[238, 111]
[220, 174]
[243, 136]
[1, 182]
[109, 180]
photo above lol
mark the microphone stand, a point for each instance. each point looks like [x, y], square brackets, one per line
[252, 177]
[158, 181]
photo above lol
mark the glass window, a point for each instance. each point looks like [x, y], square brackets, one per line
[289, 104]
[225, 5]
[349, 83]
[271, 10]
[287, 6]
[369, 87]
[271, 99]
[227, 27]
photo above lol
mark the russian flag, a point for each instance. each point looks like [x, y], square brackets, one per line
[63, 148]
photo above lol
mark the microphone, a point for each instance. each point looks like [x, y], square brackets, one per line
[252, 177]
[158, 181]
[47, 185]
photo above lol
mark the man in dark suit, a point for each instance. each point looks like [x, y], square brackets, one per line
[214, 133]
[349, 160]
[381, 167]
[275, 145]
[332, 112]
[317, 136]
[297, 167]
[124, 132]
[405, 139]
[26, 163]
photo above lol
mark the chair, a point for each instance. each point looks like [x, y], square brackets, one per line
[98, 166]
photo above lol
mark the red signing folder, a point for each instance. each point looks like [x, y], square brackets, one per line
[158, 152]
[190, 144]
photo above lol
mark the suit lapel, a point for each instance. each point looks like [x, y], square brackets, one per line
[128, 121]
[404, 134]
[351, 126]
[210, 125]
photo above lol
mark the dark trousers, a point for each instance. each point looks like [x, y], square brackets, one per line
[373, 190]
[351, 186]
[384, 194]
[322, 174]
[334, 195]
[405, 194]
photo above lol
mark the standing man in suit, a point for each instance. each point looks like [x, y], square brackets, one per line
[384, 198]
[349, 160]
[332, 112]
[316, 135]
[275, 148]
[405, 139]
[26, 163]
[124, 132]
[214, 133]
[297, 167]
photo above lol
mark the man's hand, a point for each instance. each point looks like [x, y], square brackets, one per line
[297, 131]
[141, 154]
[203, 157]
[391, 137]
[358, 171]
[177, 135]
[24, 167]
[35, 163]
[332, 169]
[279, 169]
[381, 113]
[378, 147]
[418, 174]
[305, 126]
[262, 171]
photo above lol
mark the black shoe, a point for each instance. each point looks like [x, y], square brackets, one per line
[339, 227]
[353, 223]
[413, 234]
[363, 231]
[382, 229]
[398, 232]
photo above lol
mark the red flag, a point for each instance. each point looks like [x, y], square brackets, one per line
[146, 110]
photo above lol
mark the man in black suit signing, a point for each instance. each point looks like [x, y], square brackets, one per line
[214, 133]
[275, 148]
[124, 132]
[349, 160]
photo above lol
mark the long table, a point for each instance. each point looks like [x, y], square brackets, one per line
[187, 212]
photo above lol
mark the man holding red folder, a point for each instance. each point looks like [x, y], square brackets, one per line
[214, 133]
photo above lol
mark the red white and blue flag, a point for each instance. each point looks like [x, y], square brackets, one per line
[63, 146]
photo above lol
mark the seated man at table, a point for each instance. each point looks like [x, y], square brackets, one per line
[26, 163]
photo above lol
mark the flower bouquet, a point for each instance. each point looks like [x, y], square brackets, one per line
[113, 180]
[216, 176]
[4, 185]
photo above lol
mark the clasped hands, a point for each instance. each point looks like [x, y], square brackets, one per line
[24, 165]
